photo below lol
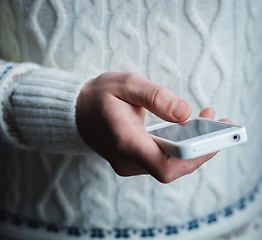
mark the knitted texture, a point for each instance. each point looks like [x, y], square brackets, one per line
[38, 108]
[206, 51]
[9, 74]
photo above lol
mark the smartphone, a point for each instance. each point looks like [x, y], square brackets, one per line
[196, 137]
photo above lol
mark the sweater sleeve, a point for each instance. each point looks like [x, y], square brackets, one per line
[38, 108]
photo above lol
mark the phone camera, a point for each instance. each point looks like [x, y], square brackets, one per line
[235, 138]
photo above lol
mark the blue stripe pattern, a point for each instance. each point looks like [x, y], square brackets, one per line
[125, 233]
[2, 142]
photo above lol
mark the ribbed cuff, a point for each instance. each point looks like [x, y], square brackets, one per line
[40, 111]
[9, 73]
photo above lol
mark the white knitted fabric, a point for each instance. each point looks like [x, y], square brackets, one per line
[206, 51]
[38, 108]
[9, 75]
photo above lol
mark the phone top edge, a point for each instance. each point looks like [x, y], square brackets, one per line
[211, 120]
[199, 148]
[167, 124]
[159, 125]
[209, 136]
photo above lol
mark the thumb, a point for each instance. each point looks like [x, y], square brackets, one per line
[162, 102]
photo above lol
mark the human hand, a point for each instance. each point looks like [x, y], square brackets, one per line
[110, 114]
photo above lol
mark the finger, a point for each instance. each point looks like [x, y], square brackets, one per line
[126, 168]
[185, 167]
[141, 92]
[210, 114]
[141, 148]
[170, 168]
[175, 168]
[155, 162]
[207, 113]
[225, 120]
[149, 156]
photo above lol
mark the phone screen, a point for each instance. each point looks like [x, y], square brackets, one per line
[189, 129]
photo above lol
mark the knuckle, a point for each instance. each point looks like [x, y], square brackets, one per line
[159, 98]
[154, 96]
[102, 77]
[165, 175]
[165, 179]
[129, 78]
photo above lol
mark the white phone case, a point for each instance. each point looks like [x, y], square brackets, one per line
[200, 145]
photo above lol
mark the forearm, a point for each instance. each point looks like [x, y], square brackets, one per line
[38, 108]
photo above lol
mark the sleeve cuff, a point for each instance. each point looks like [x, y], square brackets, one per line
[9, 72]
[39, 110]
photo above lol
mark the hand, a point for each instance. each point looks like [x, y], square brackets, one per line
[110, 114]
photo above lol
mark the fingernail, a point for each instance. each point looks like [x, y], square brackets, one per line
[182, 111]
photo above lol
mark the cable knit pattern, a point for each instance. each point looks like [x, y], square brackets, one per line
[125, 40]
[55, 188]
[89, 38]
[161, 30]
[96, 194]
[209, 52]
[206, 51]
[252, 82]
[205, 91]
[50, 45]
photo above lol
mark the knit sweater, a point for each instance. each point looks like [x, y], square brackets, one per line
[54, 187]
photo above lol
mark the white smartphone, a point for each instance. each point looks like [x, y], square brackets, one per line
[196, 137]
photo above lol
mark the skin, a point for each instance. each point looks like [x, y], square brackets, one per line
[110, 114]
